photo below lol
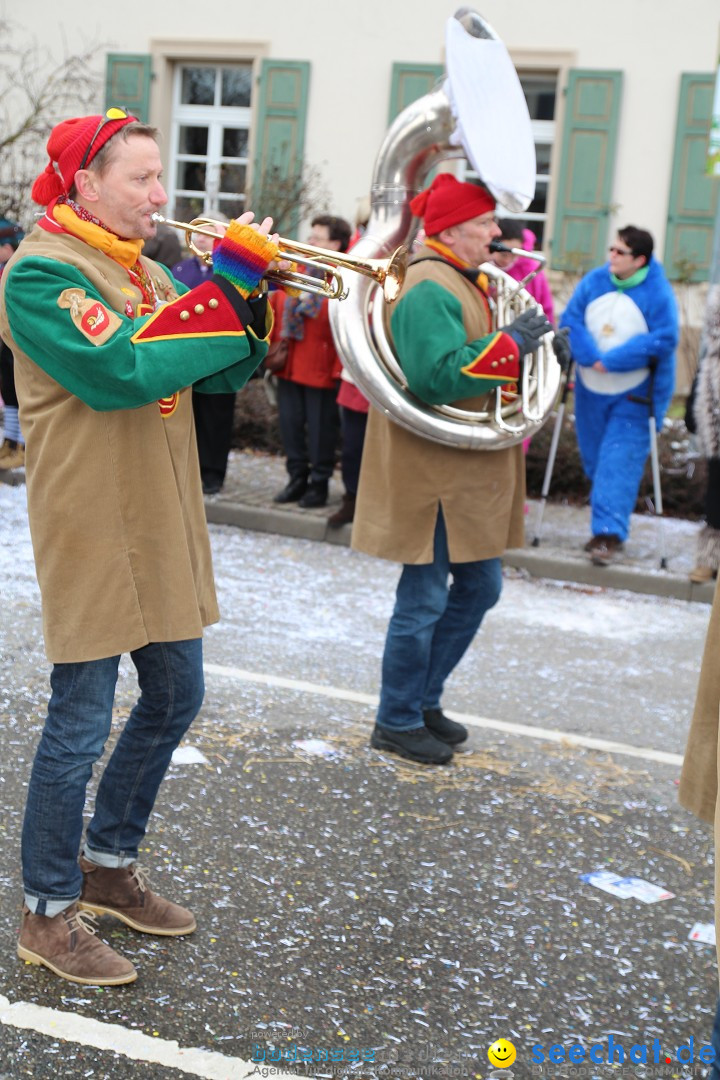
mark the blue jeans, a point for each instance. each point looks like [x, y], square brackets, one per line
[430, 630]
[170, 677]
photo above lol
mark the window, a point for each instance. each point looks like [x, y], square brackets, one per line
[210, 139]
[540, 92]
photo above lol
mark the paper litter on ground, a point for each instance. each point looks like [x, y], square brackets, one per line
[627, 887]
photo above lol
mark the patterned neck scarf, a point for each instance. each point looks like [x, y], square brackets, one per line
[446, 252]
[296, 309]
[78, 221]
[471, 272]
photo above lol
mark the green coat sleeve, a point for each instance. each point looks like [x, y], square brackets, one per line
[439, 363]
[143, 359]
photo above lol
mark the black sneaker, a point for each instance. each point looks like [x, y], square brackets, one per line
[442, 727]
[293, 491]
[418, 744]
[316, 495]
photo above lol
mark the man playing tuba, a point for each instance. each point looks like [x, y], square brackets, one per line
[444, 512]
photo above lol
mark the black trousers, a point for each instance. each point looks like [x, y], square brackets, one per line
[213, 428]
[308, 417]
[712, 494]
[353, 424]
[7, 376]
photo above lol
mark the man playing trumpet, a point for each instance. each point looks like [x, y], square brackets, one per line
[107, 346]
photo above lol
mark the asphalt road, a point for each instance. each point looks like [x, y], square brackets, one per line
[396, 918]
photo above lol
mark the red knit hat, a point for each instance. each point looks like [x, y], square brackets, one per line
[67, 146]
[448, 202]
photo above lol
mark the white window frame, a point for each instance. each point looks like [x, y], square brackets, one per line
[543, 132]
[215, 117]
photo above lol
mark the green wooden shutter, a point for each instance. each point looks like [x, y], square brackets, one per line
[693, 194]
[127, 83]
[585, 183]
[410, 82]
[277, 182]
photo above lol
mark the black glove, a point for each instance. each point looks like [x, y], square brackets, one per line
[528, 330]
[561, 347]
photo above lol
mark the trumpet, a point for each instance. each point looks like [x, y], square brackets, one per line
[388, 273]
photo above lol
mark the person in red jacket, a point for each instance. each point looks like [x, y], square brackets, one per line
[308, 383]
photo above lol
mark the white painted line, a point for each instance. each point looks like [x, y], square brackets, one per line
[131, 1044]
[527, 731]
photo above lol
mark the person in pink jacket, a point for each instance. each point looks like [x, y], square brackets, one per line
[516, 235]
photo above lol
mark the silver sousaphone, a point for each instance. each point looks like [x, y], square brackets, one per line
[478, 113]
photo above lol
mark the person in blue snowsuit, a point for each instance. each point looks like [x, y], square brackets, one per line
[623, 320]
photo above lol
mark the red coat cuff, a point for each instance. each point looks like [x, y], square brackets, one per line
[203, 312]
[500, 359]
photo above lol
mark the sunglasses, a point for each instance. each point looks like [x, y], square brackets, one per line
[110, 115]
[619, 251]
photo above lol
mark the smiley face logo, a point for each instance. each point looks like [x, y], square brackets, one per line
[502, 1054]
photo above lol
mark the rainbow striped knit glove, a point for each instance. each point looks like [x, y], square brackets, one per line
[243, 256]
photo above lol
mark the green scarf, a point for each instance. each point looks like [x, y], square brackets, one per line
[629, 283]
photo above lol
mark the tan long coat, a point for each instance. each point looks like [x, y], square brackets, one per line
[406, 478]
[699, 779]
[115, 501]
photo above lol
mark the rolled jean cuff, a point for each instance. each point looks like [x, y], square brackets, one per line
[108, 859]
[403, 727]
[50, 908]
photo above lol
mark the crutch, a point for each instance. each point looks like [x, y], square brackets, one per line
[654, 457]
[562, 352]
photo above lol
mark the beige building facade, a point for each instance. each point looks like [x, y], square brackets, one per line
[247, 95]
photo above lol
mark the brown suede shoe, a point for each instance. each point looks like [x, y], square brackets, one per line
[67, 944]
[123, 892]
[700, 574]
[345, 514]
[607, 548]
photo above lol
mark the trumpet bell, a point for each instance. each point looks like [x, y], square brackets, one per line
[388, 273]
[394, 276]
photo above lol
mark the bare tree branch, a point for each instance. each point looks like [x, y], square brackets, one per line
[36, 91]
[290, 199]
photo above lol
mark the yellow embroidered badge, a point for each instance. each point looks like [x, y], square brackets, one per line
[94, 320]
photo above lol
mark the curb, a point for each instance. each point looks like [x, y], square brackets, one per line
[633, 579]
[536, 563]
[12, 477]
[308, 525]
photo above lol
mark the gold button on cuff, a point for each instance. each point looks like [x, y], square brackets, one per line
[213, 304]
[494, 363]
[184, 315]
[199, 309]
